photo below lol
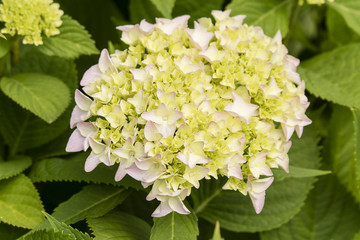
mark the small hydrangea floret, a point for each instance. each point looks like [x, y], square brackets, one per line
[181, 105]
[31, 19]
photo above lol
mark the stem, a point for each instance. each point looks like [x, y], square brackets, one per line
[293, 16]
[15, 49]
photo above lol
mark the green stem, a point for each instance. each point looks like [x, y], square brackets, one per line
[293, 16]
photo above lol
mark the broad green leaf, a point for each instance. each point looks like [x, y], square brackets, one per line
[334, 75]
[119, 225]
[342, 148]
[58, 226]
[57, 169]
[44, 95]
[14, 166]
[48, 235]
[338, 31]
[20, 203]
[271, 15]
[298, 172]
[92, 201]
[21, 129]
[164, 6]
[217, 234]
[283, 198]
[8, 232]
[329, 213]
[175, 226]
[350, 10]
[72, 41]
[196, 9]
[4, 47]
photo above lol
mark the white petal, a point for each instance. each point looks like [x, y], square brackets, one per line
[146, 27]
[82, 101]
[91, 75]
[76, 142]
[105, 61]
[199, 36]
[96, 146]
[220, 15]
[151, 132]
[258, 200]
[177, 205]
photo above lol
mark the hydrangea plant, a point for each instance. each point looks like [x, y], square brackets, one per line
[180, 105]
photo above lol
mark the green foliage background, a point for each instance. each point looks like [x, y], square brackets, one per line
[38, 178]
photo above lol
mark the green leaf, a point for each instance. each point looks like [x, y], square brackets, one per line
[44, 95]
[217, 235]
[343, 148]
[329, 213]
[47, 235]
[14, 166]
[283, 198]
[334, 75]
[350, 10]
[196, 9]
[175, 226]
[72, 41]
[338, 31]
[57, 169]
[298, 172]
[8, 232]
[21, 129]
[20, 203]
[4, 47]
[92, 201]
[165, 7]
[119, 225]
[271, 15]
[58, 226]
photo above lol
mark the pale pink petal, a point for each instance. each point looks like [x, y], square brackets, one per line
[166, 130]
[151, 132]
[258, 200]
[77, 116]
[288, 131]
[91, 162]
[96, 146]
[277, 38]
[220, 15]
[146, 27]
[86, 128]
[76, 142]
[162, 210]
[105, 61]
[82, 101]
[177, 205]
[91, 75]
[120, 173]
[199, 36]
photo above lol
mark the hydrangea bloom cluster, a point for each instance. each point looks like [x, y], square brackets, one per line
[30, 18]
[180, 105]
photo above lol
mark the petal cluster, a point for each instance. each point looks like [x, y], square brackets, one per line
[31, 18]
[181, 105]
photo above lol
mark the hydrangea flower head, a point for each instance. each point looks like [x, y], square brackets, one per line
[181, 105]
[30, 18]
